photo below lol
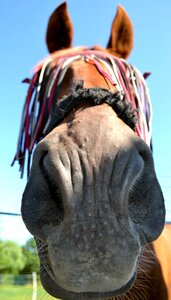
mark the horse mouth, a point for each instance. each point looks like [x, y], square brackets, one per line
[55, 290]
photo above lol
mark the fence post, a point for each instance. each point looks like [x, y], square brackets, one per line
[34, 295]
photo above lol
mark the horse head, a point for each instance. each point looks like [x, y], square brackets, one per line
[92, 200]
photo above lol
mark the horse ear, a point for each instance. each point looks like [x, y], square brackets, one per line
[59, 30]
[121, 38]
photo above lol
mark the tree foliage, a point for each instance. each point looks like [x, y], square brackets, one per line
[31, 257]
[16, 259]
[12, 259]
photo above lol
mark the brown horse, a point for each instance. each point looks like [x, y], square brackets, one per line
[92, 201]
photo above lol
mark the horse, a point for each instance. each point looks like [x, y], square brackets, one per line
[92, 200]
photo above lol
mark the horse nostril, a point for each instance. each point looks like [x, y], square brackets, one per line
[54, 189]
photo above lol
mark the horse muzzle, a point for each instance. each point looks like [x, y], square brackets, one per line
[95, 204]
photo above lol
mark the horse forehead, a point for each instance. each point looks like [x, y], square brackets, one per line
[81, 70]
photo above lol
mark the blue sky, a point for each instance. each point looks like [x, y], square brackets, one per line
[22, 32]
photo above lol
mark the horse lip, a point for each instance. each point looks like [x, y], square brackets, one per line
[56, 291]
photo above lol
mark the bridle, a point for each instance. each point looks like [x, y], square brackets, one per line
[41, 111]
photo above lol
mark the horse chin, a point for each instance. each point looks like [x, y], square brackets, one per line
[58, 292]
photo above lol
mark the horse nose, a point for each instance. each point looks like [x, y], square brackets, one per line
[74, 180]
[83, 185]
[87, 208]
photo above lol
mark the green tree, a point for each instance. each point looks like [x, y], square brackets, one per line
[12, 259]
[31, 257]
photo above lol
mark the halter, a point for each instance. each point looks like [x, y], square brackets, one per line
[41, 113]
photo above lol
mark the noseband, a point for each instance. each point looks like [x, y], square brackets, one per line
[43, 110]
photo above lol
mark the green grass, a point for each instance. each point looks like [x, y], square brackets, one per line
[19, 292]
